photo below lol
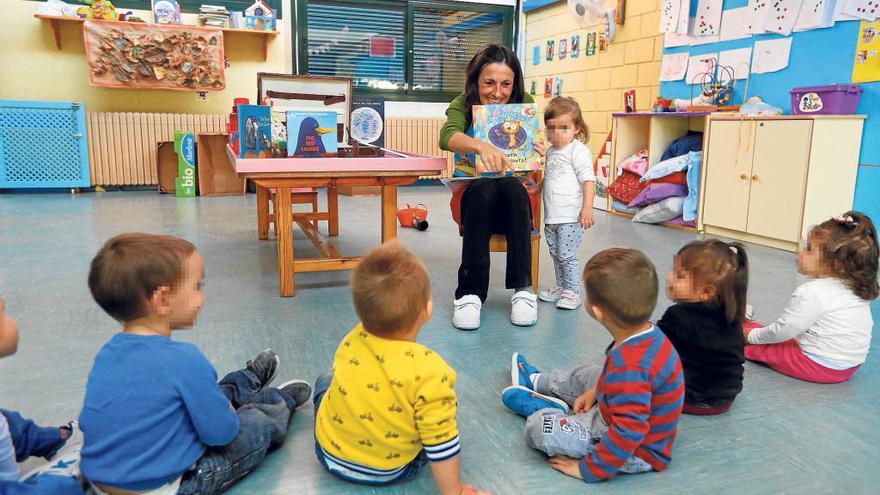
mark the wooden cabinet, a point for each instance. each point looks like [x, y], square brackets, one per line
[768, 180]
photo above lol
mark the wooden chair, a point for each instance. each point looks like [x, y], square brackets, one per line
[498, 242]
[299, 196]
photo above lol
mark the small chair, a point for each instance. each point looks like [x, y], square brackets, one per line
[298, 196]
[498, 242]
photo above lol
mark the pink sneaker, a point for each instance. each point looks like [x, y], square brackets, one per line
[569, 300]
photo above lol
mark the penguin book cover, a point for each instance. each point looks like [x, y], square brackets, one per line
[311, 134]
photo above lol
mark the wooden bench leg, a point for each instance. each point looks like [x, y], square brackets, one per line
[262, 212]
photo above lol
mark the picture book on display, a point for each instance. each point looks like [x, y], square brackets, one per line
[512, 129]
[368, 120]
[254, 131]
[311, 134]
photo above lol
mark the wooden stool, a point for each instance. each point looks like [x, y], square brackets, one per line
[298, 196]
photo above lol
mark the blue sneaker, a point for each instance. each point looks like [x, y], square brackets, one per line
[525, 402]
[521, 370]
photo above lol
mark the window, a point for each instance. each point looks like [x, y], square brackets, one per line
[403, 50]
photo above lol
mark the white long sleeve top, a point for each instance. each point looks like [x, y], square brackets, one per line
[564, 175]
[830, 324]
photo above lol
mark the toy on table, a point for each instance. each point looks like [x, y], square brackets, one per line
[259, 17]
[413, 217]
[716, 85]
[663, 105]
[101, 9]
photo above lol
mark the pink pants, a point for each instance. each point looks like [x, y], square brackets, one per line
[787, 358]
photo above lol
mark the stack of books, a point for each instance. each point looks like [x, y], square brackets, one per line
[214, 16]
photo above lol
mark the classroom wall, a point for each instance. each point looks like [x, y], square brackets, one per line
[597, 82]
[821, 56]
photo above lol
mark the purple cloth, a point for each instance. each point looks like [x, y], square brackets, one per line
[657, 192]
[680, 222]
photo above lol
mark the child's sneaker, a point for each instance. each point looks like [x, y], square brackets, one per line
[524, 309]
[466, 315]
[569, 300]
[525, 402]
[550, 295]
[265, 366]
[521, 371]
[299, 390]
[64, 461]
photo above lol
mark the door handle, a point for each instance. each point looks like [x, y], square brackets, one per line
[743, 177]
[755, 178]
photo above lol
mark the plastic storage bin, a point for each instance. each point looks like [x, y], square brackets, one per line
[833, 99]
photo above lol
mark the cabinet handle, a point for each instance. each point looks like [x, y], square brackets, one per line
[761, 124]
[743, 177]
[754, 177]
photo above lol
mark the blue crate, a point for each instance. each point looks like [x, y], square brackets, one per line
[43, 145]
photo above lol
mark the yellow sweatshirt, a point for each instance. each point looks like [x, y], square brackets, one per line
[389, 399]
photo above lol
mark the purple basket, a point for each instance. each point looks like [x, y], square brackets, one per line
[833, 99]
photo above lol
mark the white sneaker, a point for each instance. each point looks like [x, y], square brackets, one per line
[467, 312]
[524, 309]
[569, 300]
[550, 295]
[65, 462]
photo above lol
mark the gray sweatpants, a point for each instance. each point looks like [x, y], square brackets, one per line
[555, 433]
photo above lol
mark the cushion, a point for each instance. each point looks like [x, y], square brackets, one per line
[637, 163]
[676, 178]
[692, 141]
[670, 166]
[663, 211]
[623, 208]
[693, 183]
[678, 221]
[626, 187]
[657, 192]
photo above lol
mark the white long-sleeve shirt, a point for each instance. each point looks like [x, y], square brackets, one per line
[830, 324]
[564, 175]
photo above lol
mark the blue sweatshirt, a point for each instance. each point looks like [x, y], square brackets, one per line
[151, 407]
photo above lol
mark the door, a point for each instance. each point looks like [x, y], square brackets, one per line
[779, 173]
[728, 167]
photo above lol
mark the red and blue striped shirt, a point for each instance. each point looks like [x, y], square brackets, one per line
[640, 394]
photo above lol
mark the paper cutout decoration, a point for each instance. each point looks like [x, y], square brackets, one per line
[868, 10]
[699, 67]
[669, 15]
[815, 14]
[591, 44]
[673, 66]
[771, 55]
[563, 48]
[534, 88]
[734, 24]
[866, 67]
[548, 87]
[575, 46]
[839, 15]
[536, 55]
[557, 86]
[697, 40]
[550, 44]
[759, 10]
[782, 16]
[603, 42]
[684, 14]
[738, 60]
[708, 18]
[672, 40]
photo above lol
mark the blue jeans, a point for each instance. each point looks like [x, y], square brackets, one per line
[29, 440]
[355, 474]
[263, 416]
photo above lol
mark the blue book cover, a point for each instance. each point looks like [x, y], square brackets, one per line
[254, 131]
[311, 134]
[511, 128]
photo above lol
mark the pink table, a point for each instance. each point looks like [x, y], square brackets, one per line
[284, 174]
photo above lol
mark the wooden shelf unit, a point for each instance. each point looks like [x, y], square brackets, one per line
[55, 23]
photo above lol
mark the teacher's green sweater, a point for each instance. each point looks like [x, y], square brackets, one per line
[456, 121]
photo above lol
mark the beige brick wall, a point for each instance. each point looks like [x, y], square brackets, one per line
[599, 81]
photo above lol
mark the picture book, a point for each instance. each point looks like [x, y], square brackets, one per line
[368, 120]
[311, 134]
[166, 12]
[510, 128]
[254, 131]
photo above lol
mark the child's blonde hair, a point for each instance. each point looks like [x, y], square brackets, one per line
[848, 246]
[390, 289]
[725, 267]
[564, 105]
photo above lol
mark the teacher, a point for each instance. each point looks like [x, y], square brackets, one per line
[491, 205]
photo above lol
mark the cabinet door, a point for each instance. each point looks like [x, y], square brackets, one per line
[728, 167]
[779, 173]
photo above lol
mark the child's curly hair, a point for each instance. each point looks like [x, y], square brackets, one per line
[848, 245]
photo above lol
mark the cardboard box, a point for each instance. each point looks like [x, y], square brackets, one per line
[217, 175]
[166, 166]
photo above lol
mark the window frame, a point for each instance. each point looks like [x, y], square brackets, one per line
[300, 40]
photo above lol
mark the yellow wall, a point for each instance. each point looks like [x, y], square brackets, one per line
[32, 68]
[599, 81]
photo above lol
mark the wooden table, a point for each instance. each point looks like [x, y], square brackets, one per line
[284, 174]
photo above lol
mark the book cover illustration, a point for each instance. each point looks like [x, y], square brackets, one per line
[509, 128]
[368, 120]
[550, 49]
[575, 49]
[311, 134]
[563, 48]
[254, 131]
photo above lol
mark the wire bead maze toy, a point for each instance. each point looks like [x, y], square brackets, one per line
[716, 83]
